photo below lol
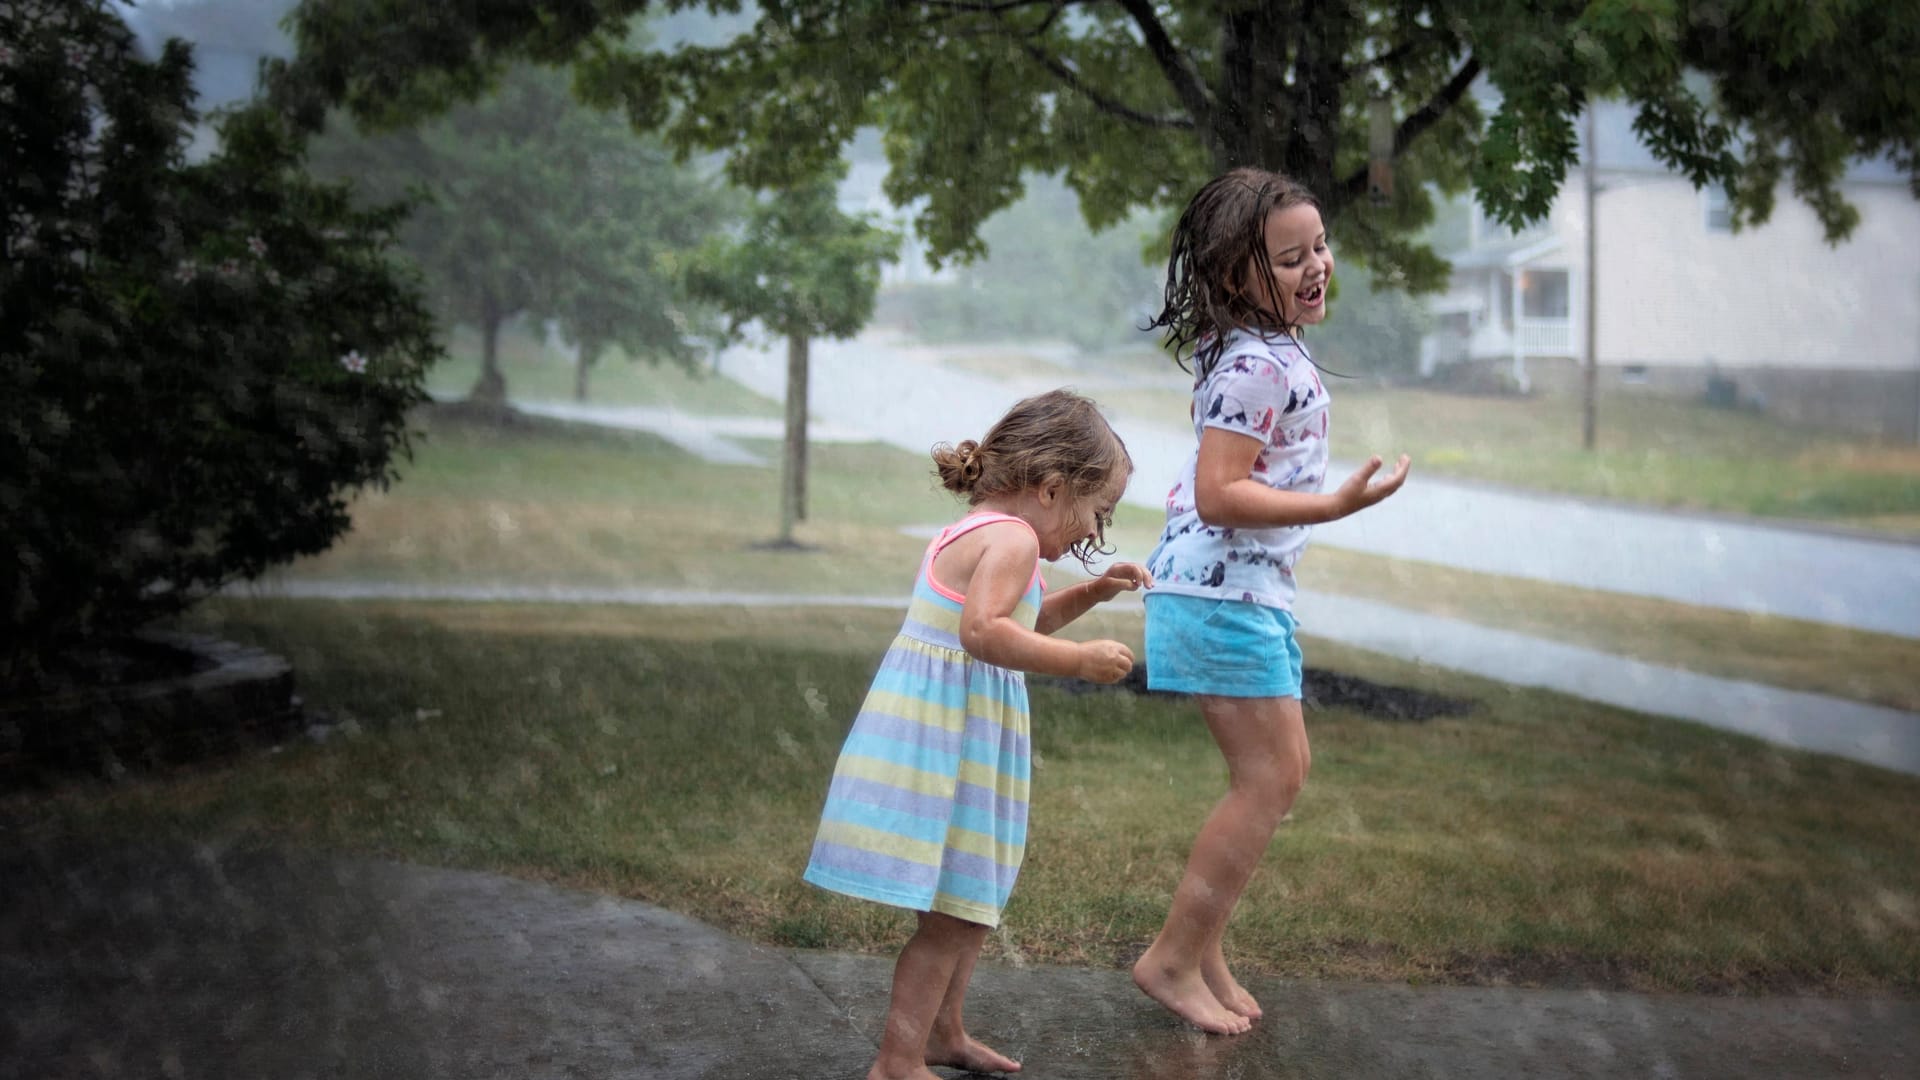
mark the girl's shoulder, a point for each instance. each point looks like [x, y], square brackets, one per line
[1261, 356]
[979, 519]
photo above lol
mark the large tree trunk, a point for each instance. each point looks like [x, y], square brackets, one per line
[1254, 44]
[491, 387]
[1279, 93]
[1312, 134]
[793, 472]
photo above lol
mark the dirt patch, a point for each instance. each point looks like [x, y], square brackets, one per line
[1320, 690]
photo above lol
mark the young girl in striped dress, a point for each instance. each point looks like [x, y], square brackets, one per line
[928, 805]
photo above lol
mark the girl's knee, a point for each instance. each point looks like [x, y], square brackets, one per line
[935, 924]
[1272, 789]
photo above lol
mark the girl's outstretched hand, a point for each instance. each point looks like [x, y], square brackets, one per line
[1358, 494]
[1123, 577]
[1104, 661]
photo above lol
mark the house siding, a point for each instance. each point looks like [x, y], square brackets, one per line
[1674, 294]
[1810, 332]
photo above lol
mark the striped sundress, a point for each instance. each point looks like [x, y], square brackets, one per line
[928, 805]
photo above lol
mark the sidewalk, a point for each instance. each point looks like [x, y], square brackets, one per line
[204, 962]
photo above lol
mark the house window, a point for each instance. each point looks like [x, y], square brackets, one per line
[1719, 210]
[1543, 294]
[1634, 374]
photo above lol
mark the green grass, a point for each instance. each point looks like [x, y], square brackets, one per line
[1651, 450]
[554, 504]
[680, 756]
[558, 505]
[537, 373]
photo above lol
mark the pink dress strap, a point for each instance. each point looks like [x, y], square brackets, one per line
[961, 528]
[971, 522]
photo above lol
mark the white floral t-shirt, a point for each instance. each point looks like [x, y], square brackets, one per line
[1271, 391]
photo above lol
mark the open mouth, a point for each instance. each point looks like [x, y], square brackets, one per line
[1311, 297]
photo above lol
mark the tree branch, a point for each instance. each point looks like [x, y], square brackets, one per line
[989, 8]
[1186, 83]
[1417, 122]
[1100, 100]
[1431, 36]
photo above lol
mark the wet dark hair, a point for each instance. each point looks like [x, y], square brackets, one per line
[1220, 234]
[1058, 433]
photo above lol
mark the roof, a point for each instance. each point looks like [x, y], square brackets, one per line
[1516, 251]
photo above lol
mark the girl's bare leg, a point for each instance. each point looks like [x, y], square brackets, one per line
[922, 985]
[950, 1044]
[1264, 741]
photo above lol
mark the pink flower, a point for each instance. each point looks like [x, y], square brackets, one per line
[185, 272]
[272, 276]
[256, 245]
[354, 362]
[229, 267]
[6, 55]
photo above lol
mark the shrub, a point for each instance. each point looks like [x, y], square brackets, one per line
[199, 361]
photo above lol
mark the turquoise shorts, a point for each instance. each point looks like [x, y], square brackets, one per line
[1230, 648]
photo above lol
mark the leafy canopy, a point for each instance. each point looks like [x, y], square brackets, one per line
[1136, 102]
[801, 268]
[527, 201]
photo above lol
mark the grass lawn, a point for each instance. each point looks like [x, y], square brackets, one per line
[1651, 450]
[680, 756]
[537, 373]
[557, 504]
[560, 505]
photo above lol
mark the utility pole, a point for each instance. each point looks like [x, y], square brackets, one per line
[1590, 374]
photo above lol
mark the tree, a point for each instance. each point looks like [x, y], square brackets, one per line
[528, 202]
[199, 362]
[643, 216]
[1136, 102]
[802, 269]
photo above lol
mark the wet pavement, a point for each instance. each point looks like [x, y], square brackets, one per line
[215, 962]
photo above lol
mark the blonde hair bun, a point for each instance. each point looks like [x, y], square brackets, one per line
[960, 466]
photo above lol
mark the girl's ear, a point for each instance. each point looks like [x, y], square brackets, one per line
[1052, 489]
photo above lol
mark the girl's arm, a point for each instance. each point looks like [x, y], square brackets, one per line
[988, 631]
[1227, 496]
[1062, 606]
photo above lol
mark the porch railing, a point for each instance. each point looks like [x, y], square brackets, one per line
[1546, 337]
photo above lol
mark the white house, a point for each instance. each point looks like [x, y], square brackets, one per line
[1773, 316]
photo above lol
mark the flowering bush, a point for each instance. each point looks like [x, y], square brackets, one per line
[199, 360]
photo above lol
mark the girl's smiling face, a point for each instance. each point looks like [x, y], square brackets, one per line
[1302, 265]
[1073, 519]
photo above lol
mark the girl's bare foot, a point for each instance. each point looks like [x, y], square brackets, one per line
[1186, 994]
[971, 1054]
[921, 1073]
[1228, 991]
